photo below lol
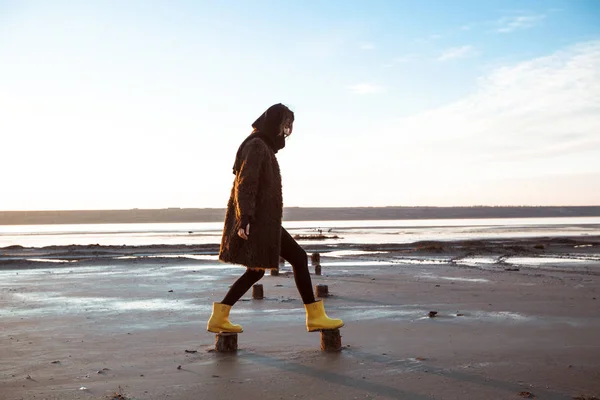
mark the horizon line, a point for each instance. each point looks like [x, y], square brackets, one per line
[301, 207]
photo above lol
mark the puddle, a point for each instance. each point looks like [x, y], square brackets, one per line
[476, 365]
[203, 257]
[152, 305]
[50, 302]
[501, 315]
[571, 263]
[223, 267]
[469, 316]
[476, 261]
[544, 260]
[357, 263]
[453, 278]
[344, 253]
[361, 313]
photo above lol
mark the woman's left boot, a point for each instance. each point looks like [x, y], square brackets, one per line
[219, 320]
[317, 319]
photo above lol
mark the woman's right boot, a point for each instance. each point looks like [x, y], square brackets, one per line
[219, 320]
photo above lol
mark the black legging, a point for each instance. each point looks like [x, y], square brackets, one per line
[292, 253]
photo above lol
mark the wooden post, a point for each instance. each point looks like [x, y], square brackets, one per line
[226, 342]
[315, 259]
[318, 269]
[331, 340]
[274, 272]
[258, 292]
[322, 290]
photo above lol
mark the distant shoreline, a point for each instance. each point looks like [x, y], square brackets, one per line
[188, 215]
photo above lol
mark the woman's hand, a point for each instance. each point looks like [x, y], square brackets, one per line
[243, 233]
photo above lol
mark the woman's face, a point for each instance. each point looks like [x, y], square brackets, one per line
[287, 126]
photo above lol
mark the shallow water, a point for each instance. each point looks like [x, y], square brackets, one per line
[383, 231]
[107, 292]
[135, 291]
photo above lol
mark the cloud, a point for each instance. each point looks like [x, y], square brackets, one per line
[511, 24]
[457, 52]
[535, 118]
[365, 88]
[366, 46]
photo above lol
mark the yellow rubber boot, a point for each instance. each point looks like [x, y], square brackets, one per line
[219, 320]
[317, 319]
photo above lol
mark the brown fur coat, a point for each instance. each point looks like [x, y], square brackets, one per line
[256, 193]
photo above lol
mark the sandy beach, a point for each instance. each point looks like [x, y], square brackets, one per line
[99, 323]
[438, 161]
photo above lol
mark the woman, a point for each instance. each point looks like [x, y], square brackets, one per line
[253, 235]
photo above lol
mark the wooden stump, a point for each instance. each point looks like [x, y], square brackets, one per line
[274, 272]
[315, 258]
[331, 340]
[258, 292]
[322, 290]
[226, 342]
[318, 269]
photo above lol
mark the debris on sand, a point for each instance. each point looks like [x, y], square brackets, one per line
[430, 246]
[511, 269]
[117, 396]
[527, 395]
[432, 314]
[191, 351]
[585, 398]
[315, 237]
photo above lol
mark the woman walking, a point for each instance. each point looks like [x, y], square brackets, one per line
[252, 234]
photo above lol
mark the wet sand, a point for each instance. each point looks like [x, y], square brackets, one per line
[111, 324]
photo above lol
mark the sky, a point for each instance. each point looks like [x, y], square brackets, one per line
[143, 104]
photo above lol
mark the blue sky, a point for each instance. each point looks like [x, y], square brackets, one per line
[113, 104]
